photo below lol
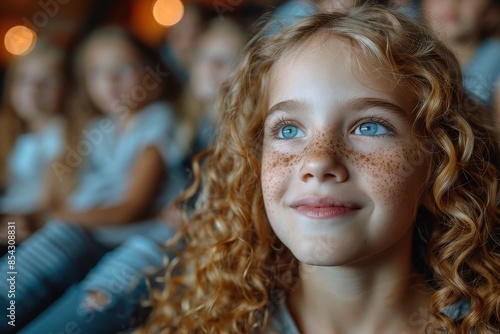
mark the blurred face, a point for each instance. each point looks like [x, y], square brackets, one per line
[341, 169]
[213, 63]
[456, 20]
[37, 87]
[183, 36]
[114, 75]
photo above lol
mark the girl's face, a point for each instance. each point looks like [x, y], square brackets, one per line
[213, 63]
[342, 172]
[114, 75]
[37, 87]
[457, 20]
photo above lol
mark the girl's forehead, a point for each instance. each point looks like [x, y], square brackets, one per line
[327, 53]
[334, 45]
[110, 45]
[40, 62]
[333, 49]
[39, 57]
[106, 42]
[116, 43]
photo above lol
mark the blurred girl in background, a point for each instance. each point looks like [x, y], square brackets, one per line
[31, 131]
[214, 59]
[468, 28]
[110, 181]
[111, 309]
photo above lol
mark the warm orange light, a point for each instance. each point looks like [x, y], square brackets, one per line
[19, 40]
[168, 12]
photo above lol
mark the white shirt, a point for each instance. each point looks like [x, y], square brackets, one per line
[111, 154]
[28, 163]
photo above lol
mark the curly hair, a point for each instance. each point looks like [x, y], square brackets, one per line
[233, 269]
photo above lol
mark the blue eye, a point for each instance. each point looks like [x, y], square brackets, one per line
[371, 129]
[290, 132]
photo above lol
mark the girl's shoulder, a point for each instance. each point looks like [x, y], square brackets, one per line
[157, 125]
[487, 58]
[281, 320]
[55, 128]
[47, 142]
[458, 310]
[159, 111]
[53, 137]
[491, 44]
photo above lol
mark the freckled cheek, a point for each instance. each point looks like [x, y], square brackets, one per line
[394, 175]
[277, 171]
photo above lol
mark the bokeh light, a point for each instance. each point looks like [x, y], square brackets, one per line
[168, 12]
[19, 40]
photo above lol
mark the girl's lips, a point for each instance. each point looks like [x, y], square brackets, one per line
[324, 212]
[323, 207]
[450, 18]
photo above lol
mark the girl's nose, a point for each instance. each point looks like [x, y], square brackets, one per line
[323, 165]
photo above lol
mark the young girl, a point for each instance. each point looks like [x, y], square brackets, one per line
[353, 188]
[214, 59]
[110, 182]
[30, 133]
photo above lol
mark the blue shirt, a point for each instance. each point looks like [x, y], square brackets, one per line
[282, 321]
[28, 163]
[482, 73]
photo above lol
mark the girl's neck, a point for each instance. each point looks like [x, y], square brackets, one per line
[38, 125]
[210, 111]
[125, 119]
[381, 295]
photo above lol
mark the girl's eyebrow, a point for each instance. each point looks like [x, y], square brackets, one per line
[287, 105]
[364, 103]
[355, 104]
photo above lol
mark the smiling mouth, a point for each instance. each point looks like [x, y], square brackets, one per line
[324, 207]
